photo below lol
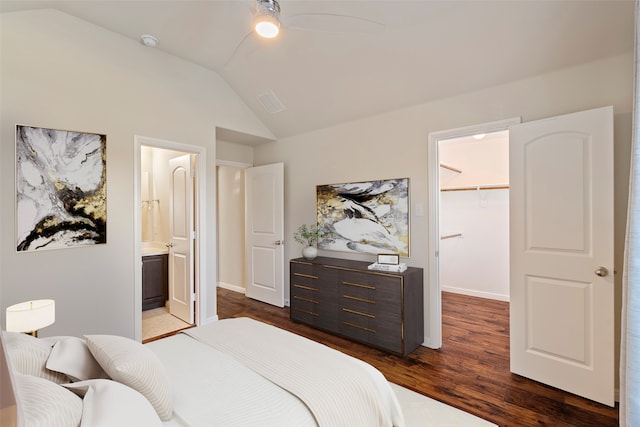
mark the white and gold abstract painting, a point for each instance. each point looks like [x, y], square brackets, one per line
[61, 188]
[368, 217]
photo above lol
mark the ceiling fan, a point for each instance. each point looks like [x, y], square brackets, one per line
[268, 20]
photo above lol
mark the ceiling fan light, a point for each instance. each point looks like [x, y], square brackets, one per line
[267, 22]
[267, 26]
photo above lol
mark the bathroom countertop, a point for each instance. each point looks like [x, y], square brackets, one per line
[154, 248]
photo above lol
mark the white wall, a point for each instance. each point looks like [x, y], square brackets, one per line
[60, 72]
[394, 145]
[477, 262]
[234, 153]
[231, 229]
[481, 162]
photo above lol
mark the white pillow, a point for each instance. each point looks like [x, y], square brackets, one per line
[29, 356]
[71, 356]
[108, 403]
[44, 403]
[132, 364]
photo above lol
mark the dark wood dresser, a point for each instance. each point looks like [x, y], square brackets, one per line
[381, 309]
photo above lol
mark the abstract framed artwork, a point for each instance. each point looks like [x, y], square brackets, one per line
[61, 189]
[369, 217]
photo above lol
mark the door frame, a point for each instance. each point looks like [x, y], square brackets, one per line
[199, 223]
[434, 339]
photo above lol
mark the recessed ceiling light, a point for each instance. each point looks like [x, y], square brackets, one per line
[149, 41]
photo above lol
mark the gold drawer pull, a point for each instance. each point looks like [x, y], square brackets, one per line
[306, 311]
[309, 276]
[370, 301]
[359, 327]
[359, 313]
[359, 285]
[309, 288]
[305, 299]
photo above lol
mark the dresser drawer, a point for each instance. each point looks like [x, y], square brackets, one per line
[384, 331]
[309, 304]
[305, 268]
[375, 293]
[301, 314]
[303, 289]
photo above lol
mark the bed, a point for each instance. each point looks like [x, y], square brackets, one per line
[233, 372]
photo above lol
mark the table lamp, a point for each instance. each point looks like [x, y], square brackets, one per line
[30, 316]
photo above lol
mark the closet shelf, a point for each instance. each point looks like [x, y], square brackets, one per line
[476, 188]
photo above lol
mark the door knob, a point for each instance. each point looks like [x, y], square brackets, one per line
[601, 271]
[278, 242]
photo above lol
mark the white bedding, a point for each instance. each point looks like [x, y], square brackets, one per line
[234, 384]
[234, 372]
[213, 389]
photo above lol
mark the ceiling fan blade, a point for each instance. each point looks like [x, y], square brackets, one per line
[248, 43]
[333, 23]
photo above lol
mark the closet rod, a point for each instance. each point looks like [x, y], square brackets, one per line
[480, 187]
[451, 168]
[450, 236]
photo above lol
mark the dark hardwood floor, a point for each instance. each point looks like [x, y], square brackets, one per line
[469, 372]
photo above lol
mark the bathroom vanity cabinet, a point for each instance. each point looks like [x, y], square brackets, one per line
[155, 281]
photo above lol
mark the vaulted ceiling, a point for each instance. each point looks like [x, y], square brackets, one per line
[337, 61]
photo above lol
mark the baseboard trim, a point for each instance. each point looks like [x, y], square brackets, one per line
[231, 287]
[472, 293]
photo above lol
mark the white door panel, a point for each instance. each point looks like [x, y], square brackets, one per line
[264, 267]
[181, 261]
[265, 230]
[555, 222]
[561, 216]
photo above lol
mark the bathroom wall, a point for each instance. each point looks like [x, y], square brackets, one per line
[154, 167]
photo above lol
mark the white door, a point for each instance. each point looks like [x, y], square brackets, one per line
[265, 233]
[561, 202]
[181, 231]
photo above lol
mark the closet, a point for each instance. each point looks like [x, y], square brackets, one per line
[474, 215]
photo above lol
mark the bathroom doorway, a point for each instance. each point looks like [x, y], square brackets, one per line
[169, 238]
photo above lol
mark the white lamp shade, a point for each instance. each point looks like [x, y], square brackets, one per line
[31, 315]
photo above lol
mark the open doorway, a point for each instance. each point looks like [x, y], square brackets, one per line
[250, 230]
[168, 236]
[166, 294]
[446, 236]
[231, 225]
[474, 215]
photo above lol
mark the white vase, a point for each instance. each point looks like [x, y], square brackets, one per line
[309, 252]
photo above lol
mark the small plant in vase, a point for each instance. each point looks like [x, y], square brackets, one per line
[307, 236]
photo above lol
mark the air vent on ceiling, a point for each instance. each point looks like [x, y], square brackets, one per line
[270, 102]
